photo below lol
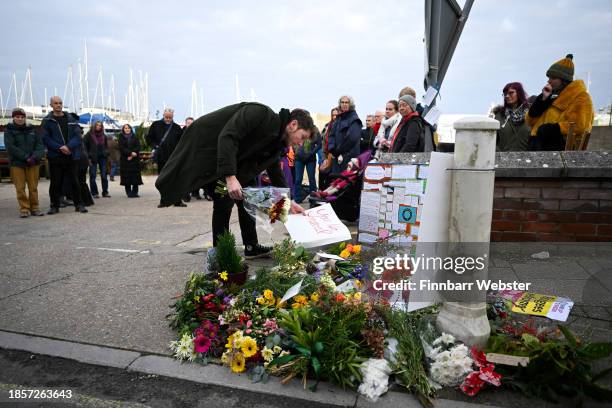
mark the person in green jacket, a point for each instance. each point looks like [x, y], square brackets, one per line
[25, 149]
[513, 133]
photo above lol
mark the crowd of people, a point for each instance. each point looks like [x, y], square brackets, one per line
[540, 122]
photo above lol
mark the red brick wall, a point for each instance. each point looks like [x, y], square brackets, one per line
[552, 210]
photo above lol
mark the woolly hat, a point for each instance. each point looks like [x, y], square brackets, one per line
[409, 99]
[564, 69]
[18, 111]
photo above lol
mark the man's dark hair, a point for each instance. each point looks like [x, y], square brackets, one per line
[303, 118]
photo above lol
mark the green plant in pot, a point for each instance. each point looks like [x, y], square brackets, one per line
[229, 261]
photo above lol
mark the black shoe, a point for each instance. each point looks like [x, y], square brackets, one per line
[66, 203]
[95, 196]
[81, 209]
[257, 251]
[53, 210]
[180, 204]
[187, 199]
[112, 178]
[24, 215]
[105, 194]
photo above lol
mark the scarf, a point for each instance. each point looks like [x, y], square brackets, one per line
[400, 126]
[99, 137]
[516, 116]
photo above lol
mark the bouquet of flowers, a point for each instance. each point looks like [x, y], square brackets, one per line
[265, 205]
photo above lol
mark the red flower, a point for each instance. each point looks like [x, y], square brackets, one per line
[208, 297]
[209, 306]
[201, 344]
[479, 357]
[243, 318]
[340, 297]
[487, 374]
[472, 384]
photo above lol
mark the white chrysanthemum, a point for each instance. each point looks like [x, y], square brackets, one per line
[459, 350]
[443, 356]
[445, 338]
[277, 349]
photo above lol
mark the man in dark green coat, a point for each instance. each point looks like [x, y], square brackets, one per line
[233, 144]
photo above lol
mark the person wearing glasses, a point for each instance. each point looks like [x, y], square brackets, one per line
[344, 139]
[513, 132]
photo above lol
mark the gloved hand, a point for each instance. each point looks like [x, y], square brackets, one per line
[549, 130]
[31, 161]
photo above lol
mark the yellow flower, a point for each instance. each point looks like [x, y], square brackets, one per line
[268, 294]
[345, 253]
[267, 354]
[356, 249]
[358, 283]
[238, 364]
[284, 353]
[223, 275]
[357, 295]
[277, 349]
[280, 304]
[314, 297]
[271, 302]
[248, 346]
[261, 300]
[301, 299]
[296, 305]
[196, 298]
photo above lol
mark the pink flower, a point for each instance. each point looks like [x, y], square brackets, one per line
[248, 331]
[201, 344]
[479, 357]
[249, 323]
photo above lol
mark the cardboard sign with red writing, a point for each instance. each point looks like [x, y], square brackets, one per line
[320, 226]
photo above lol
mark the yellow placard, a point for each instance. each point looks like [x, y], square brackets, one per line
[533, 304]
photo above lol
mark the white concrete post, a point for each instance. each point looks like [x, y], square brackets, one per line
[470, 218]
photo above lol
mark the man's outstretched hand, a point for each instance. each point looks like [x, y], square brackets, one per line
[296, 208]
[234, 189]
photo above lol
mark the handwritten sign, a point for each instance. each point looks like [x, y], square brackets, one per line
[553, 307]
[507, 359]
[319, 226]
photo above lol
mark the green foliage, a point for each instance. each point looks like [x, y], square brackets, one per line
[289, 257]
[326, 343]
[184, 318]
[409, 366]
[227, 255]
[558, 366]
[141, 132]
[279, 282]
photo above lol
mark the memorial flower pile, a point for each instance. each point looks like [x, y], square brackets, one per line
[310, 318]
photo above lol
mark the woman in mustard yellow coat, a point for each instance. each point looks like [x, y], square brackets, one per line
[563, 101]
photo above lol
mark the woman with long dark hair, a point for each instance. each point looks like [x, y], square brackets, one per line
[513, 133]
[129, 145]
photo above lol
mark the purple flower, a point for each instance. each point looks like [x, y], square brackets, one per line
[219, 292]
[227, 299]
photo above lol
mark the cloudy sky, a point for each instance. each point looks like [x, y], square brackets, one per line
[302, 53]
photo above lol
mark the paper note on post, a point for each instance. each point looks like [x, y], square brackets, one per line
[317, 227]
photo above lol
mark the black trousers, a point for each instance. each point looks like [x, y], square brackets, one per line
[61, 169]
[222, 211]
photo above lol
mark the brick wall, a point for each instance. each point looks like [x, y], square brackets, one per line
[552, 210]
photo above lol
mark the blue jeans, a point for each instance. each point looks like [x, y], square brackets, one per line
[113, 171]
[92, 176]
[299, 176]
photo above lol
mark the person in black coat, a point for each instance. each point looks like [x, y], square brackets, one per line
[343, 141]
[408, 136]
[163, 137]
[129, 168]
[233, 144]
[97, 150]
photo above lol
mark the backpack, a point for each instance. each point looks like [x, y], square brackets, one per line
[426, 139]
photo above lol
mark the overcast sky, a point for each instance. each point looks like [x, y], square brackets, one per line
[302, 53]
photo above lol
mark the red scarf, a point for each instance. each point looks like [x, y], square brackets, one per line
[400, 126]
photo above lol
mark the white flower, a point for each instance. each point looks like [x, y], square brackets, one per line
[459, 350]
[277, 349]
[444, 339]
[328, 281]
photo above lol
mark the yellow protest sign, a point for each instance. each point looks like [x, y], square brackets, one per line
[534, 304]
